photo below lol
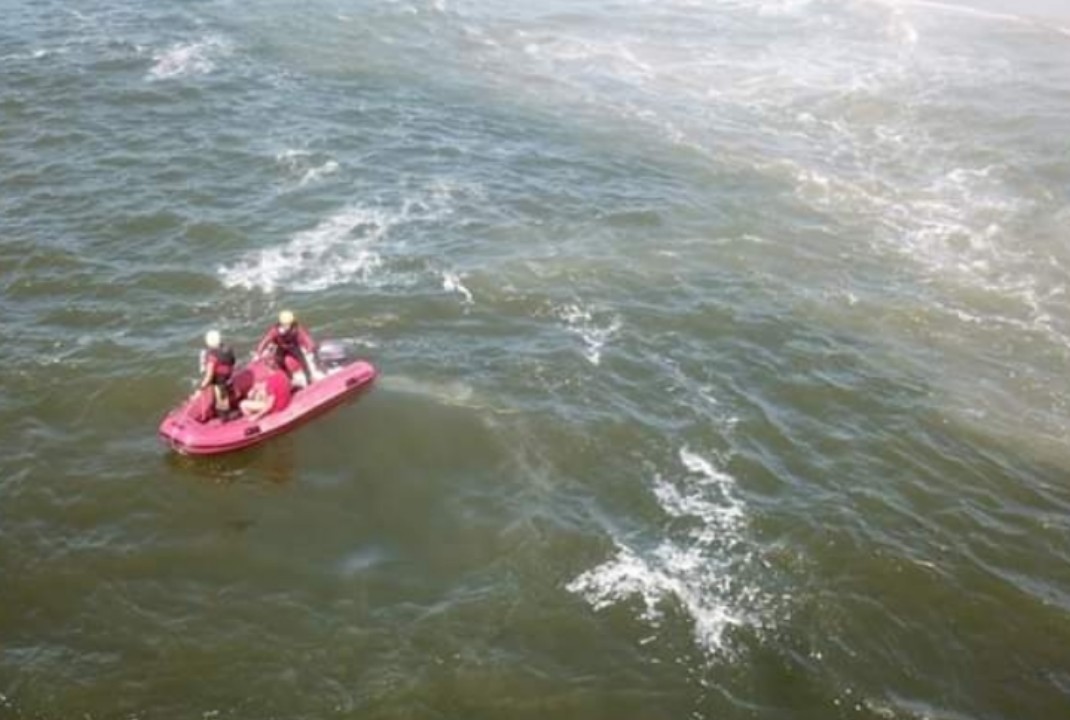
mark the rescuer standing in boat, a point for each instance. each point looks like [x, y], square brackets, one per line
[217, 362]
[294, 347]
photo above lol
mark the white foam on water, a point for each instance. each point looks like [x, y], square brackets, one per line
[836, 86]
[344, 248]
[339, 250]
[451, 282]
[314, 174]
[305, 165]
[875, 165]
[594, 328]
[954, 227]
[699, 570]
[190, 58]
[950, 221]
[290, 154]
[34, 55]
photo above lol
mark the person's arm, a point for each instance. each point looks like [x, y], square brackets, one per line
[305, 340]
[269, 402]
[209, 370]
[269, 337]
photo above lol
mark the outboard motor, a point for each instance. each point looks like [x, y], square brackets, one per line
[332, 354]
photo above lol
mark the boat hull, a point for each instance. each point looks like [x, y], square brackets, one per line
[184, 433]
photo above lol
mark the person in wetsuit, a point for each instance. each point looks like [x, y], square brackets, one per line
[217, 362]
[294, 347]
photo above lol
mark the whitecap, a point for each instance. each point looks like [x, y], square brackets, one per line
[306, 165]
[702, 570]
[189, 58]
[594, 329]
[291, 155]
[451, 282]
[343, 248]
[313, 174]
[337, 251]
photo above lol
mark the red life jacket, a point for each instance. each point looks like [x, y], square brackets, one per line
[223, 362]
[288, 340]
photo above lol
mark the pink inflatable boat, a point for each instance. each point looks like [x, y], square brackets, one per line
[182, 431]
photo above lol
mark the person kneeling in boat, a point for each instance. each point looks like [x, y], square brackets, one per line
[271, 394]
[294, 347]
[217, 364]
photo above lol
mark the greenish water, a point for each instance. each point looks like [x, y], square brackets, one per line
[722, 350]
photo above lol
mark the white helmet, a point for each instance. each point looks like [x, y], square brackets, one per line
[212, 339]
